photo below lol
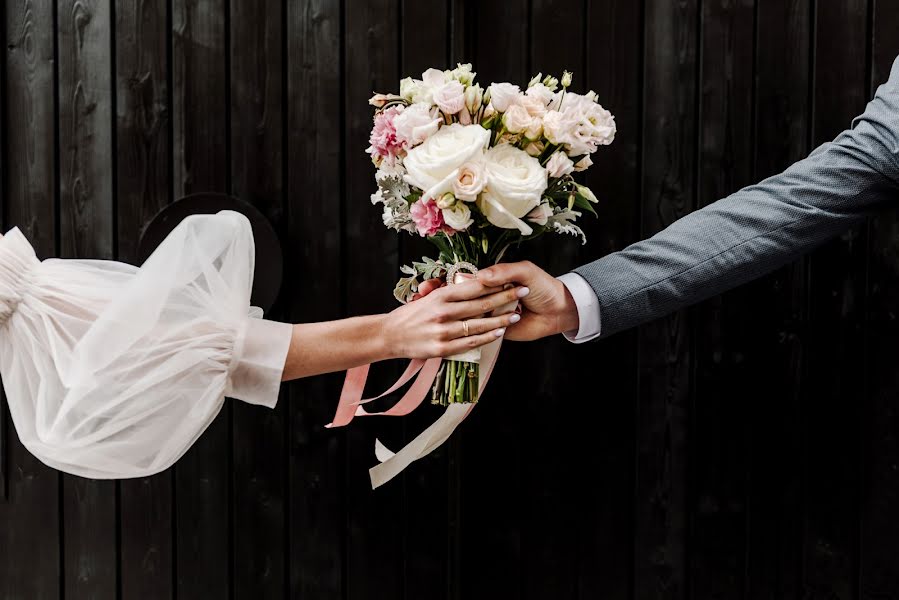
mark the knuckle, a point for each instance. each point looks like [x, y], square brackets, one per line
[471, 342]
[486, 306]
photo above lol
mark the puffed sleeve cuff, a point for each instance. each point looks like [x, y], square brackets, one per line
[588, 312]
[258, 363]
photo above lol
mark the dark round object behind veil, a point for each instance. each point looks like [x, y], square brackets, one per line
[269, 261]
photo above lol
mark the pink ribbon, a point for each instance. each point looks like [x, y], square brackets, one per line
[424, 371]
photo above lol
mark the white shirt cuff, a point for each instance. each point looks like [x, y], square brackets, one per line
[258, 362]
[589, 323]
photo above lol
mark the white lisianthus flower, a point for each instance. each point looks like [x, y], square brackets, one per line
[535, 80]
[584, 164]
[516, 119]
[416, 91]
[502, 95]
[415, 124]
[540, 92]
[566, 79]
[541, 214]
[473, 97]
[558, 127]
[515, 184]
[559, 165]
[434, 165]
[450, 97]
[533, 104]
[434, 78]
[587, 193]
[463, 74]
[458, 216]
[470, 181]
[535, 148]
[551, 82]
[580, 124]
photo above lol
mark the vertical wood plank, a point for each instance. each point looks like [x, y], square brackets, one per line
[717, 510]
[374, 518]
[493, 490]
[200, 113]
[257, 160]
[313, 258]
[551, 517]
[30, 533]
[669, 167]
[86, 231]
[879, 491]
[837, 275]
[773, 567]
[605, 444]
[143, 178]
[428, 523]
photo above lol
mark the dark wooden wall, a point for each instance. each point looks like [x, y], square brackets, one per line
[745, 448]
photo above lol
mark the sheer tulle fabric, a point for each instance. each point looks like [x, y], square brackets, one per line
[113, 371]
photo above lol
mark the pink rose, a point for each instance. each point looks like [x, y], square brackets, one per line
[428, 218]
[450, 97]
[384, 143]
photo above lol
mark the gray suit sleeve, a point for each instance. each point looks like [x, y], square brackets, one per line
[759, 228]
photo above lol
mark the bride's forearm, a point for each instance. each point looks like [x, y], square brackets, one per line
[317, 348]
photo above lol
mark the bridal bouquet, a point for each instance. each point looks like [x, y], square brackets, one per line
[477, 171]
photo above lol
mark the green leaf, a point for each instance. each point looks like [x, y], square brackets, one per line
[581, 202]
[405, 288]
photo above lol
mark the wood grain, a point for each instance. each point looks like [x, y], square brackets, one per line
[86, 231]
[30, 540]
[665, 353]
[257, 159]
[200, 117]
[313, 259]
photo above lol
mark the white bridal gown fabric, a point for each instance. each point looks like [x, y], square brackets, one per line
[113, 371]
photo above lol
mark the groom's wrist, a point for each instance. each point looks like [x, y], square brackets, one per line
[569, 319]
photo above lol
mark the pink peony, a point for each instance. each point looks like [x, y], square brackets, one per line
[384, 143]
[428, 218]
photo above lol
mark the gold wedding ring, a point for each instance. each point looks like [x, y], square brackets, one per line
[465, 328]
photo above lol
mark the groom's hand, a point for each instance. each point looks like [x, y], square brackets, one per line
[548, 309]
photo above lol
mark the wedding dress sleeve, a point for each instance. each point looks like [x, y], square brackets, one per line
[113, 371]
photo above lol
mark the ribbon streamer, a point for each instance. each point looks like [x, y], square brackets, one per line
[424, 372]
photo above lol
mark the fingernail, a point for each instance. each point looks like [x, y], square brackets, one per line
[515, 318]
[523, 292]
[499, 332]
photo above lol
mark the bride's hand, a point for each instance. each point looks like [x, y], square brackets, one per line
[433, 325]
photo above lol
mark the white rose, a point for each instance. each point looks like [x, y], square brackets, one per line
[516, 119]
[470, 181]
[515, 184]
[502, 95]
[415, 124]
[458, 216]
[450, 97]
[559, 165]
[584, 164]
[541, 214]
[434, 165]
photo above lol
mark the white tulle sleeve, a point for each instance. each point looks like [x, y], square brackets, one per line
[113, 371]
